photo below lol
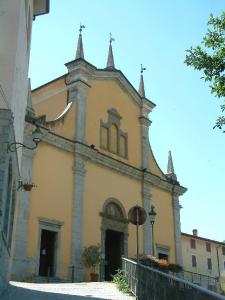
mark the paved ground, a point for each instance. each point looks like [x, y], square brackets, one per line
[64, 291]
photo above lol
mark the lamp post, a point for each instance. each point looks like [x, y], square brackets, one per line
[36, 137]
[152, 216]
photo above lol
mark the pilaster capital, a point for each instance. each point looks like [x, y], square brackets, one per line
[145, 121]
[78, 69]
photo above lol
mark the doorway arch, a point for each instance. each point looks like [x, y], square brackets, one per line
[114, 237]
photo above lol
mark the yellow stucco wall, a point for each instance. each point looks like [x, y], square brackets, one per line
[99, 101]
[101, 184]
[52, 199]
[50, 100]
[164, 224]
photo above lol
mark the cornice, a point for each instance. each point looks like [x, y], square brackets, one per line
[99, 158]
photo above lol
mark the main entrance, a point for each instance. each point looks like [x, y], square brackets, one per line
[114, 237]
[47, 253]
[114, 244]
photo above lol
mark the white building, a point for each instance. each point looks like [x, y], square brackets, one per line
[203, 256]
[15, 36]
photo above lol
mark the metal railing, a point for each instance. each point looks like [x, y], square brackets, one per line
[150, 284]
[209, 282]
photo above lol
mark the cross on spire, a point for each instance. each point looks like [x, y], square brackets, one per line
[80, 51]
[111, 39]
[141, 85]
[142, 69]
[110, 60]
[81, 28]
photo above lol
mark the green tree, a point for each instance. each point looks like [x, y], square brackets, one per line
[210, 59]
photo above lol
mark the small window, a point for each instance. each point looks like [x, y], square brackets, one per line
[122, 146]
[194, 261]
[104, 140]
[208, 247]
[193, 244]
[223, 250]
[209, 263]
[114, 139]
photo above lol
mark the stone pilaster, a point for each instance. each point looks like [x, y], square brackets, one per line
[177, 229]
[145, 123]
[77, 216]
[147, 227]
[21, 267]
[146, 188]
[77, 81]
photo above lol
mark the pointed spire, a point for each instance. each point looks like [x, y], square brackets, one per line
[80, 51]
[141, 85]
[170, 168]
[110, 61]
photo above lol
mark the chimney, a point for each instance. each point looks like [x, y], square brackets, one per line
[195, 232]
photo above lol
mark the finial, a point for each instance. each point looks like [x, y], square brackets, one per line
[141, 85]
[170, 168]
[81, 28]
[80, 51]
[110, 61]
[142, 69]
[111, 39]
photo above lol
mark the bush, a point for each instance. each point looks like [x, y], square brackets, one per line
[120, 281]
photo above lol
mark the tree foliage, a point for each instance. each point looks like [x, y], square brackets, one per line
[210, 59]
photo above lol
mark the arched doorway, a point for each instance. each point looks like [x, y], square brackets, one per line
[114, 237]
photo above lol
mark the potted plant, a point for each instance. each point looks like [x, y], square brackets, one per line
[91, 258]
[25, 185]
[28, 186]
[175, 268]
[153, 262]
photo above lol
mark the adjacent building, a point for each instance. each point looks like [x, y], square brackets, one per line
[203, 256]
[15, 36]
[94, 163]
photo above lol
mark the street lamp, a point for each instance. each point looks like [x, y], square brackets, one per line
[36, 137]
[152, 216]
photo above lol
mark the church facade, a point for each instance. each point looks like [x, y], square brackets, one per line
[94, 163]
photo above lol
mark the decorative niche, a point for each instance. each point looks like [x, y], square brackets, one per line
[112, 137]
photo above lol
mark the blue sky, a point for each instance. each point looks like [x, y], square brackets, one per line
[156, 34]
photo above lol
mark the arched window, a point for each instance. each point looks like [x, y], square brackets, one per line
[113, 210]
[114, 138]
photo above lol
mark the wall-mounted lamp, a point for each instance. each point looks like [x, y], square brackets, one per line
[36, 136]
